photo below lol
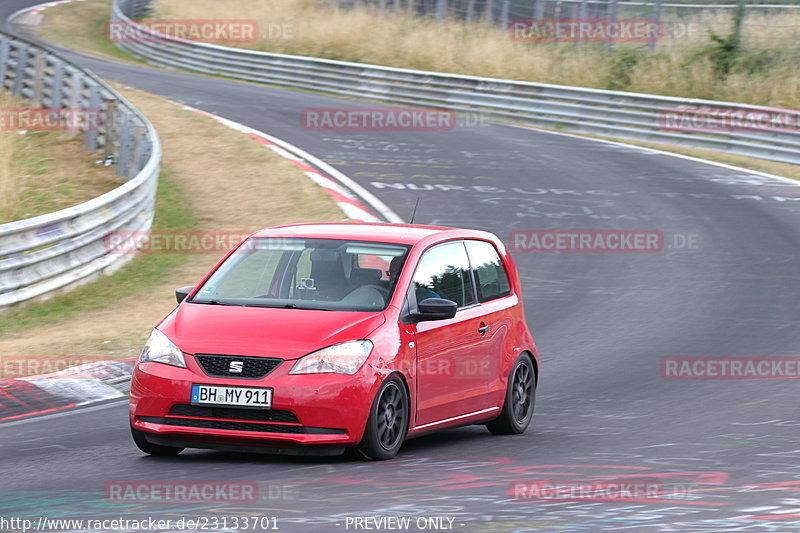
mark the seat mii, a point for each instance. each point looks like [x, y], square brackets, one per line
[328, 336]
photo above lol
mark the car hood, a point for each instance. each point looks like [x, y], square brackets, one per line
[284, 333]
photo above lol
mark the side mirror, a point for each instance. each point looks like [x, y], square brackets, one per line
[182, 293]
[435, 309]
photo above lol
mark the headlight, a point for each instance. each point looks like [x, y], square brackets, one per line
[344, 358]
[160, 349]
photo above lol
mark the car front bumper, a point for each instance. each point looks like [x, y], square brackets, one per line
[309, 409]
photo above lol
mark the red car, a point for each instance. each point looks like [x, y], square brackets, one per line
[321, 337]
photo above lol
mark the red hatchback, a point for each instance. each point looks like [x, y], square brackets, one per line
[334, 335]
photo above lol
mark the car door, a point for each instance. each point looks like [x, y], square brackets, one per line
[498, 307]
[450, 379]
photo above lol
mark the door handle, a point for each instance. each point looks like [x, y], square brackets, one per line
[484, 329]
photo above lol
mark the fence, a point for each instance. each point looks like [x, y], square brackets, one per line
[52, 252]
[609, 113]
[772, 25]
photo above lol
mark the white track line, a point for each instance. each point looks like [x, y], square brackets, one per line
[646, 149]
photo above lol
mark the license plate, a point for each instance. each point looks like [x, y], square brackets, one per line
[239, 396]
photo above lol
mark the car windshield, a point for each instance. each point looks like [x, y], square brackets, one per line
[297, 273]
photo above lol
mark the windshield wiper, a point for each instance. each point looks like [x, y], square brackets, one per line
[288, 306]
[209, 302]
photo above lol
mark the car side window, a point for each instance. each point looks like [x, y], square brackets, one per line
[443, 272]
[490, 274]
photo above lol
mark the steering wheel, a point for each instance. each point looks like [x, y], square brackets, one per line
[368, 295]
[383, 290]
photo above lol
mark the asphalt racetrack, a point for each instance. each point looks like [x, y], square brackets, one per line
[724, 283]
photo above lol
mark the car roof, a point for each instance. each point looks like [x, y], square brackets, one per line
[408, 234]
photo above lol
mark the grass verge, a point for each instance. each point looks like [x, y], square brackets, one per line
[82, 27]
[213, 178]
[44, 171]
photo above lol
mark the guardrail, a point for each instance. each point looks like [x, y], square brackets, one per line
[46, 254]
[609, 113]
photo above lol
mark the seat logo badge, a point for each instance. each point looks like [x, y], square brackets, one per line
[236, 367]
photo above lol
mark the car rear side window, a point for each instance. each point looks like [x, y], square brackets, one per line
[490, 274]
[443, 272]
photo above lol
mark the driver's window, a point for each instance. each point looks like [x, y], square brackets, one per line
[443, 272]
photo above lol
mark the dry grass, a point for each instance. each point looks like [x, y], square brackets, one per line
[44, 171]
[82, 26]
[230, 182]
[402, 41]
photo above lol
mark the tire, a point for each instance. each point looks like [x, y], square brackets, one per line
[520, 400]
[387, 425]
[152, 449]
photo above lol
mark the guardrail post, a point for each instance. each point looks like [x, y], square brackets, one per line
[76, 87]
[441, 10]
[504, 14]
[612, 14]
[656, 16]
[5, 48]
[39, 64]
[582, 15]
[538, 9]
[738, 18]
[470, 11]
[122, 158]
[19, 72]
[95, 99]
[111, 128]
[147, 150]
[139, 148]
[57, 87]
[489, 11]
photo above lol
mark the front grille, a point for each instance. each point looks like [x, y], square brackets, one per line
[252, 367]
[238, 426]
[235, 413]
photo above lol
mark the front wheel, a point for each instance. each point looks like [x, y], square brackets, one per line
[150, 448]
[520, 398]
[388, 422]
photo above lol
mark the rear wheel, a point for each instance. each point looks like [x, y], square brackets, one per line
[152, 449]
[520, 398]
[388, 422]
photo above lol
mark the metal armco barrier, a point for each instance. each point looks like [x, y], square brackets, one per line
[609, 113]
[50, 253]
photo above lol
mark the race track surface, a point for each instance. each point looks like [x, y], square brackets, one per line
[724, 285]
